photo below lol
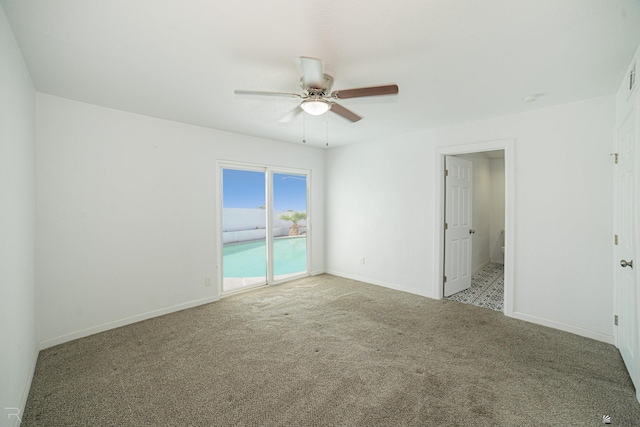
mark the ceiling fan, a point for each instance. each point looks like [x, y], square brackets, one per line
[317, 97]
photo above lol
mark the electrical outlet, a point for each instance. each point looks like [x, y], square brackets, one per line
[208, 281]
[362, 260]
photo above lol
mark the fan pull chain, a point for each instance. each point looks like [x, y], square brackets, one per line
[327, 116]
[304, 129]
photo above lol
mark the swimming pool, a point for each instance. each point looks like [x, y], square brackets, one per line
[248, 259]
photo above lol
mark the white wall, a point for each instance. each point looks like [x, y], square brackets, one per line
[563, 217]
[496, 226]
[127, 213]
[18, 327]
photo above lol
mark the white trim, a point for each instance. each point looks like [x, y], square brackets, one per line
[268, 200]
[521, 316]
[27, 386]
[242, 290]
[309, 223]
[123, 322]
[382, 283]
[564, 327]
[218, 218]
[509, 257]
[289, 278]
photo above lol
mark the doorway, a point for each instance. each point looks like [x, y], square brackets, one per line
[507, 239]
[264, 228]
[475, 229]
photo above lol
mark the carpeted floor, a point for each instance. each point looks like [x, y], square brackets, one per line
[327, 351]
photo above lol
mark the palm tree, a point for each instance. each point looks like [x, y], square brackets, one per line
[294, 217]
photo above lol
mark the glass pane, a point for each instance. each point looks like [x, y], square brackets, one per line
[289, 225]
[244, 224]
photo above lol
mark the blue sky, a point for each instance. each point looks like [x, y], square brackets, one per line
[245, 189]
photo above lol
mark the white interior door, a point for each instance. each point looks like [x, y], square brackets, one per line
[458, 232]
[626, 290]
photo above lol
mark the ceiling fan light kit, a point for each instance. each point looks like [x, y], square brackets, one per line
[315, 107]
[317, 97]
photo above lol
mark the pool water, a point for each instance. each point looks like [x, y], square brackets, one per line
[249, 259]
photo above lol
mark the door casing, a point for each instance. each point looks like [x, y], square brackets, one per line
[439, 204]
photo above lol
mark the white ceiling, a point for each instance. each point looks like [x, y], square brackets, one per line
[454, 60]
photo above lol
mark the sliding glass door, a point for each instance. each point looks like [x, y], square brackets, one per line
[264, 225]
[290, 225]
[244, 223]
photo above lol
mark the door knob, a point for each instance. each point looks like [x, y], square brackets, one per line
[472, 231]
[625, 263]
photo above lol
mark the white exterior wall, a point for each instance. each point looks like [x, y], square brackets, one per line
[563, 215]
[243, 224]
[18, 326]
[127, 213]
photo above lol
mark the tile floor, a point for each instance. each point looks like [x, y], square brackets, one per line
[487, 288]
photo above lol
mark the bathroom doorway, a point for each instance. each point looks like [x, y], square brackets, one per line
[477, 239]
[492, 221]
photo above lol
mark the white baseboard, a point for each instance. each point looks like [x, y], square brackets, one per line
[27, 386]
[480, 267]
[133, 319]
[381, 283]
[526, 317]
[598, 336]
[123, 322]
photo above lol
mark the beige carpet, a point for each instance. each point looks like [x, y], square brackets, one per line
[327, 351]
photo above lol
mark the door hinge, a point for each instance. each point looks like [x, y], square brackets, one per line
[615, 158]
[446, 226]
[446, 172]
[615, 239]
[445, 279]
[615, 320]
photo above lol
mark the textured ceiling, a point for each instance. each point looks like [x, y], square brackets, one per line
[454, 60]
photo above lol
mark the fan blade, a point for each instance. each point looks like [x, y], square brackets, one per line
[347, 114]
[257, 92]
[365, 91]
[291, 115]
[312, 71]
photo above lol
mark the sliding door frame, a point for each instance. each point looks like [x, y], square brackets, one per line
[269, 171]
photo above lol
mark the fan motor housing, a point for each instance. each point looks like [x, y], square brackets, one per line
[327, 84]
